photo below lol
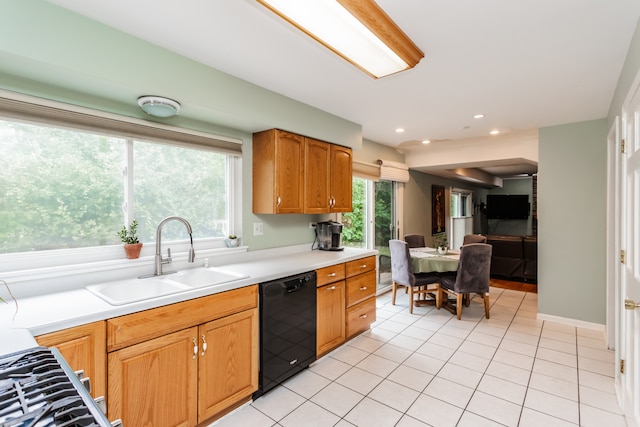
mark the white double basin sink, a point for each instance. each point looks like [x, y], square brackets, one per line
[132, 290]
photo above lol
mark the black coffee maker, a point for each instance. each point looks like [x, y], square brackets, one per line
[329, 236]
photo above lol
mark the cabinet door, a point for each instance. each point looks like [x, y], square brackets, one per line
[341, 179]
[83, 347]
[154, 383]
[228, 371]
[317, 179]
[278, 172]
[289, 176]
[330, 316]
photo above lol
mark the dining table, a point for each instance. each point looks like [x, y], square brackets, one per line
[428, 260]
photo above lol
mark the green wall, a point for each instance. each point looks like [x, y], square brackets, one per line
[572, 221]
[49, 52]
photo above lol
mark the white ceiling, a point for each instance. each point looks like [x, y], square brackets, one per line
[525, 64]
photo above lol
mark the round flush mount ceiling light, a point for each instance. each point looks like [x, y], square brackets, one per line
[159, 106]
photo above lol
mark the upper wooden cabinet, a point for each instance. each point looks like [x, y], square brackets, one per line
[295, 174]
[278, 172]
[341, 179]
[328, 178]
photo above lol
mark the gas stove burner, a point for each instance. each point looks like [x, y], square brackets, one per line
[38, 389]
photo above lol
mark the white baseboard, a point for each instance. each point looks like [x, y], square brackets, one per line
[571, 322]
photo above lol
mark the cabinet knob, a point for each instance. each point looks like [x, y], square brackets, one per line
[363, 266]
[331, 275]
[363, 316]
[331, 288]
[364, 288]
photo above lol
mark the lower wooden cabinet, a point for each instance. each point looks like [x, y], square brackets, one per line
[361, 295]
[346, 308]
[155, 383]
[330, 329]
[228, 369]
[189, 376]
[83, 347]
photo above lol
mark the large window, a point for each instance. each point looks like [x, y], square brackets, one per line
[62, 189]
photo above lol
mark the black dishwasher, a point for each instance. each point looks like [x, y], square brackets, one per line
[287, 328]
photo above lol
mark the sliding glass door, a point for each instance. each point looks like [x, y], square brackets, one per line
[372, 223]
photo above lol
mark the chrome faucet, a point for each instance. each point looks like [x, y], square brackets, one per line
[167, 260]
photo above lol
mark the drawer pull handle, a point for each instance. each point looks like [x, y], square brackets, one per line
[278, 201]
[204, 345]
[364, 288]
[363, 316]
[363, 266]
[331, 274]
[195, 347]
[331, 288]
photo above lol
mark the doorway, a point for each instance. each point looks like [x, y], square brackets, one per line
[628, 303]
[372, 223]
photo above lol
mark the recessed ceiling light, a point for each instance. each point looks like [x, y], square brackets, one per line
[494, 132]
[399, 130]
[426, 141]
[478, 116]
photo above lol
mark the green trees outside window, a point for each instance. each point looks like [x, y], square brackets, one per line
[63, 188]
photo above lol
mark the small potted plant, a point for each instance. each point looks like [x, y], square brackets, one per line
[232, 241]
[129, 237]
[441, 243]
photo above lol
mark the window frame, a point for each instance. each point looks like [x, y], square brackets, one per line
[45, 264]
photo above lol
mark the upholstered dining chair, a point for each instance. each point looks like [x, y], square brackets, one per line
[474, 238]
[419, 285]
[415, 240]
[471, 277]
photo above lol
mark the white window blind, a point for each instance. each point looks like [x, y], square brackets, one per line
[393, 171]
[366, 171]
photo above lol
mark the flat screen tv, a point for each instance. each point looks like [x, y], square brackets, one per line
[507, 206]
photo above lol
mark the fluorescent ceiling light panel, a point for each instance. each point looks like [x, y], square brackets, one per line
[357, 30]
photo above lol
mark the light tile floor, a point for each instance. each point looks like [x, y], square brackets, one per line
[430, 369]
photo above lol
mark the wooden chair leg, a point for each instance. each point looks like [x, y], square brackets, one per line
[394, 289]
[459, 306]
[410, 299]
[467, 299]
[438, 297]
[486, 305]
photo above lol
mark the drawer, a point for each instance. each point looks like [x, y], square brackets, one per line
[360, 316]
[330, 274]
[133, 328]
[360, 266]
[361, 287]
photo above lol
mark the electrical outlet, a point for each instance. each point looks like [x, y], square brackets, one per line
[258, 229]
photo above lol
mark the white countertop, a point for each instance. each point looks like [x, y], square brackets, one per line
[51, 312]
[13, 340]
